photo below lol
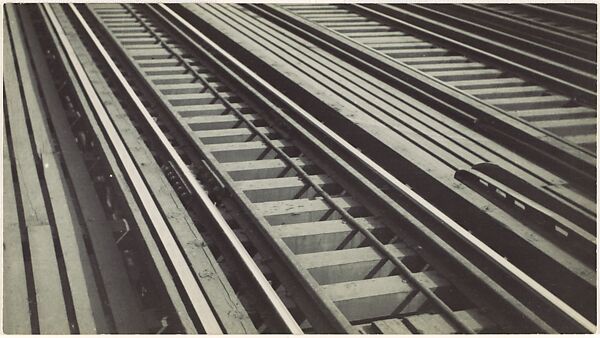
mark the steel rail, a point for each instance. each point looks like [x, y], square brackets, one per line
[562, 16]
[566, 159]
[306, 178]
[527, 29]
[543, 25]
[523, 62]
[489, 29]
[447, 311]
[266, 288]
[568, 62]
[400, 187]
[331, 316]
[337, 43]
[147, 203]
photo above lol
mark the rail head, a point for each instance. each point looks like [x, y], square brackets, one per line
[207, 319]
[567, 160]
[400, 187]
[275, 301]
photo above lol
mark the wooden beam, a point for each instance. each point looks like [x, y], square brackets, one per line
[381, 297]
[49, 298]
[16, 313]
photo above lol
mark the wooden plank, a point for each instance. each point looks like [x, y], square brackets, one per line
[16, 315]
[450, 66]
[310, 237]
[326, 19]
[120, 296]
[167, 71]
[223, 299]
[253, 170]
[151, 53]
[217, 121]
[205, 109]
[537, 102]
[416, 52]
[555, 113]
[247, 151]
[391, 326]
[507, 92]
[312, 10]
[198, 98]
[381, 297]
[283, 188]
[569, 127]
[84, 292]
[152, 63]
[302, 210]
[586, 140]
[435, 60]
[375, 34]
[361, 29]
[438, 324]
[51, 308]
[49, 297]
[487, 83]
[339, 266]
[355, 24]
[232, 135]
[401, 45]
[462, 75]
[136, 30]
[397, 37]
[186, 88]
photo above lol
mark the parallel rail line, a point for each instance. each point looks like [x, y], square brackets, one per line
[199, 191]
[197, 298]
[575, 21]
[341, 211]
[303, 175]
[324, 237]
[515, 95]
[224, 11]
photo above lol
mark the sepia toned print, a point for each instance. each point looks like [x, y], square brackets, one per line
[212, 168]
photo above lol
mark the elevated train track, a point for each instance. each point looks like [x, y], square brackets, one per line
[418, 42]
[233, 204]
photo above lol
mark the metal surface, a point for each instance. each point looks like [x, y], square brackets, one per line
[195, 126]
[209, 322]
[567, 159]
[427, 207]
[285, 316]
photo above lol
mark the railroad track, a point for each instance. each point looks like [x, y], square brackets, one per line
[255, 156]
[328, 240]
[564, 18]
[394, 112]
[544, 33]
[75, 276]
[529, 100]
[226, 151]
[287, 48]
[231, 317]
